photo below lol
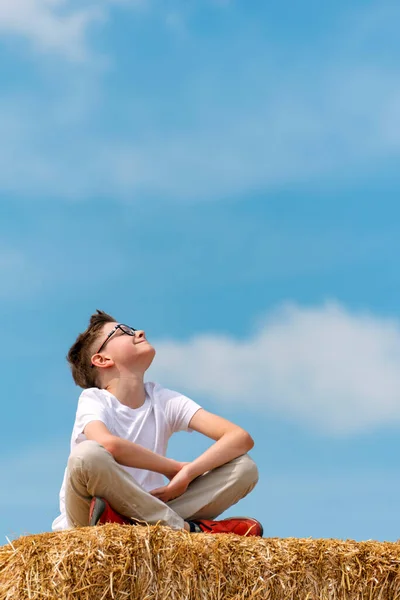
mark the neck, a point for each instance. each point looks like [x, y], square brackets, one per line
[128, 389]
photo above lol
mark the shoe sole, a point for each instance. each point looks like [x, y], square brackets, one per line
[254, 521]
[98, 509]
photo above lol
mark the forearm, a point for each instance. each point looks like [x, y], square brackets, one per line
[231, 445]
[130, 454]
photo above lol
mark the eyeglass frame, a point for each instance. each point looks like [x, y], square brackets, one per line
[118, 326]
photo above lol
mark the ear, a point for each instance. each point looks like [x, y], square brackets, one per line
[102, 361]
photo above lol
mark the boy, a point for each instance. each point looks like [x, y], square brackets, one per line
[119, 441]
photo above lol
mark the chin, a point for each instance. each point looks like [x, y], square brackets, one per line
[150, 351]
[147, 345]
[150, 356]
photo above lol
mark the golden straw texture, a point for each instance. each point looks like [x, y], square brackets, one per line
[155, 563]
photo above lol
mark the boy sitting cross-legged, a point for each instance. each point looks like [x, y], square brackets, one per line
[119, 442]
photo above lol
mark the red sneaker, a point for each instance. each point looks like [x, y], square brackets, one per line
[101, 512]
[238, 525]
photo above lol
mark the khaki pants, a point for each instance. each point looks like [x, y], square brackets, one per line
[92, 471]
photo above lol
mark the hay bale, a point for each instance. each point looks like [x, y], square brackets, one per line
[155, 563]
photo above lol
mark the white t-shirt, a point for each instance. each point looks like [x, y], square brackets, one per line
[163, 413]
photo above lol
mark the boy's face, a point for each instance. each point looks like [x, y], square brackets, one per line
[125, 350]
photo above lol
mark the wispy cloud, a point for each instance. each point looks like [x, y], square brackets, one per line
[326, 367]
[226, 152]
[56, 26]
[50, 25]
[228, 131]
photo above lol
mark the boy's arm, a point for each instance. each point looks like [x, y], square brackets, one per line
[129, 454]
[231, 441]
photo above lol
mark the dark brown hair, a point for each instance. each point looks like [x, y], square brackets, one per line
[80, 353]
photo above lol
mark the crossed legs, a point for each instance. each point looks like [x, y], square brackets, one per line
[92, 471]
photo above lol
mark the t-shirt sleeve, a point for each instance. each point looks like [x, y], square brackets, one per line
[92, 406]
[179, 409]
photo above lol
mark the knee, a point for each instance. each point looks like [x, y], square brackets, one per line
[246, 470]
[87, 453]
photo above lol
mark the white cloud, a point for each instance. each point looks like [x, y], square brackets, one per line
[51, 25]
[55, 26]
[330, 369]
[349, 120]
[227, 151]
[242, 129]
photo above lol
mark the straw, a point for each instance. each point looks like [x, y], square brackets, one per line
[122, 562]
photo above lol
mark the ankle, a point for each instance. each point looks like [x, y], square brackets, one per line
[192, 527]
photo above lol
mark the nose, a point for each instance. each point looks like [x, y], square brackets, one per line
[140, 334]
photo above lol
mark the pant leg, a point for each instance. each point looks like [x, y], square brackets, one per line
[214, 492]
[92, 471]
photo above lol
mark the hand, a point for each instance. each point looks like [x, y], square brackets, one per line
[176, 487]
[175, 468]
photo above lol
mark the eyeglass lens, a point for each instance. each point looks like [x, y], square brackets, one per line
[128, 330]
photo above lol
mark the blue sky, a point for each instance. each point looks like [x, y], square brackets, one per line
[225, 176]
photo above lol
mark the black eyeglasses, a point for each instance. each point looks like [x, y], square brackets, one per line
[124, 328]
